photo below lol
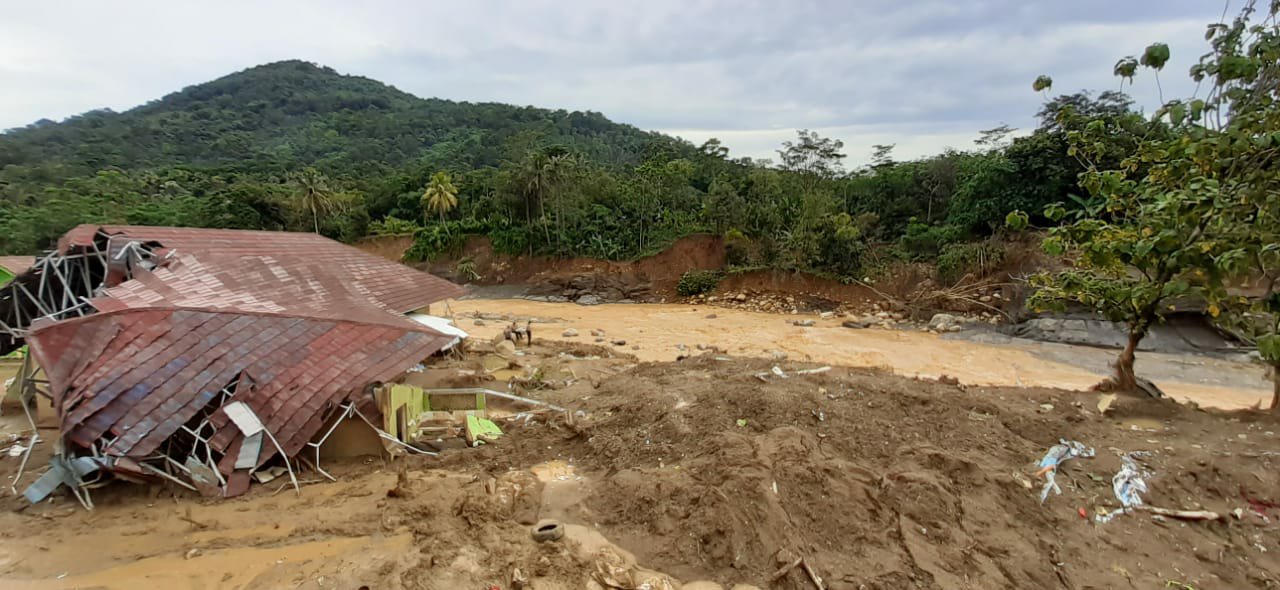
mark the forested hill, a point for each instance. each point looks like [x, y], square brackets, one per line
[273, 116]
[295, 146]
[269, 121]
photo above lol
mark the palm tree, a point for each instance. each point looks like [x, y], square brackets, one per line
[441, 195]
[314, 194]
[542, 174]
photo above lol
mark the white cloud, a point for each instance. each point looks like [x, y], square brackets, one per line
[922, 74]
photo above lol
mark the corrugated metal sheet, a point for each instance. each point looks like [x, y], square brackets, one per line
[303, 322]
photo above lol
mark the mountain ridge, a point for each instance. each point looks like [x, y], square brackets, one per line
[273, 104]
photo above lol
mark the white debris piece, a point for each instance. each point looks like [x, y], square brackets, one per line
[1128, 484]
[1058, 454]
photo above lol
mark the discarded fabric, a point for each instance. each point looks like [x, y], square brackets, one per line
[1064, 451]
[1128, 485]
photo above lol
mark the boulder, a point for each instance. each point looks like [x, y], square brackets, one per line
[942, 322]
[857, 323]
[588, 300]
[570, 333]
[803, 323]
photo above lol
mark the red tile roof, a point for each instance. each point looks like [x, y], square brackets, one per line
[17, 265]
[390, 285]
[307, 321]
[131, 378]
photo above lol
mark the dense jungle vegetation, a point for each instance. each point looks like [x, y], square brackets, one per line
[296, 146]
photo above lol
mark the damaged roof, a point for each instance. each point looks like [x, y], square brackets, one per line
[300, 322]
[387, 284]
[16, 265]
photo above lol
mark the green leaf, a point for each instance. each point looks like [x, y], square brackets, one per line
[742, 422]
[1269, 347]
[1197, 109]
[1125, 68]
[1155, 56]
[1016, 220]
[1042, 83]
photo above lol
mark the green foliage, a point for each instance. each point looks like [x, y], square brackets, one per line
[1042, 83]
[978, 259]
[925, 242]
[697, 282]
[294, 146]
[1126, 68]
[1017, 220]
[1192, 202]
[435, 240]
[392, 226]
[466, 269]
[1155, 56]
[222, 154]
[440, 196]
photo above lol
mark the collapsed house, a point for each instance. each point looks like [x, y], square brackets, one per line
[201, 355]
[11, 266]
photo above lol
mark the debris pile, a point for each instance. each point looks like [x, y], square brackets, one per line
[767, 302]
[201, 356]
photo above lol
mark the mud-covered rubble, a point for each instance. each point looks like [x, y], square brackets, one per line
[591, 289]
[852, 315]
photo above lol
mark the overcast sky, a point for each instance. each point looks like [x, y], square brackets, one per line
[924, 74]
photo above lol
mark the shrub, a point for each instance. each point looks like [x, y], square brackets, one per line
[697, 282]
[392, 226]
[737, 248]
[466, 269]
[978, 259]
[432, 241]
[924, 242]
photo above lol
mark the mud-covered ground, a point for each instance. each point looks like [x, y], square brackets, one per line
[700, 470]
[662, 332]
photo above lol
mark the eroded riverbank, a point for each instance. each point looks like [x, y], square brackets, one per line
[659, 329]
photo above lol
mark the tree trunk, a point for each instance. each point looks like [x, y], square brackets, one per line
[1125, 378]
[315, 217]
[1275, 388]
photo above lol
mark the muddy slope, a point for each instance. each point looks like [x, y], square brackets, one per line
[650, 278]
[884, 482]
[877, 481]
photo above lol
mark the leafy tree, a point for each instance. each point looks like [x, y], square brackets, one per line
[1187, 208]
[813, 157]
[995, 137]
[882, 155]
[440, 196]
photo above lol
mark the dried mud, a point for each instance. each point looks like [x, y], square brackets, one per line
[702, 471]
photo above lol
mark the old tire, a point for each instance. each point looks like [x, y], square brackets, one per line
[547, 530]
